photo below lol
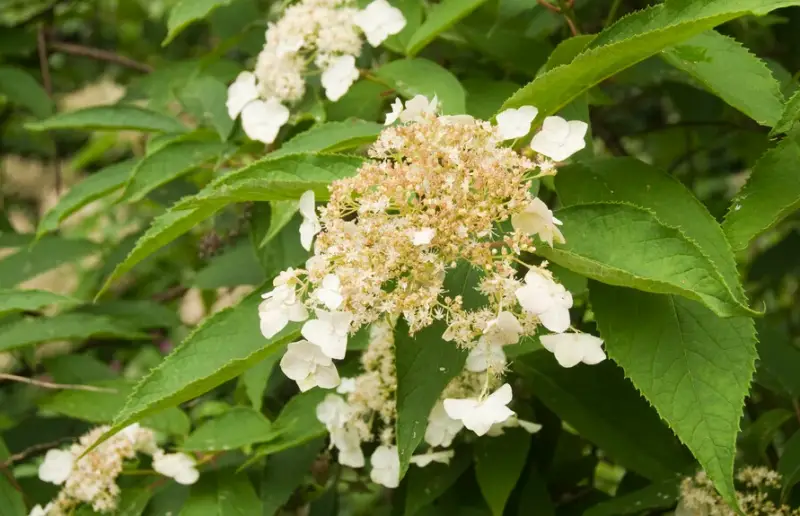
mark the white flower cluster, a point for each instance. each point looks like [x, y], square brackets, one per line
[430, 199]
[325, 32]
[92, 479]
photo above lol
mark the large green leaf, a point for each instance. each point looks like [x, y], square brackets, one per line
[111, 118]
[499, 462]
[412, 77]
[222, 493]
[284, 472]
[629, 41]
[331, 137]
[425, 485]
[441, 17]
[771, 194]
[11, 501]
[205, 98]
[712, 59]
[31, 300]
[41, 256]
[184, 12]
[70, 326]
[21, 88]
[93, 187]
[605, 408]
[622, 244]
[789, 464]
[694, 367]
[789, 115]
[236, 428]
[296, 424]
[660, 495]
[633, 181]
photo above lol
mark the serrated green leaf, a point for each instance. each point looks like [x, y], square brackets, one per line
[186, 12]
[139, 313]
[771, 194]
[499, 462]
[280, 214]
[756, 436]
[222, 493]
[412, 77]
[111, 118]
[235, 428]
[630, 180]
[694, 367]
[205, 98]
[629, 41]
[425, 485]
[236, 266]
[605, 408]
[789, 465]
[21, 88]
[41, 256]
[625, 245]
[77, 368]
[441, 17]
[70, 326]
[789, 115]
[660, 495]
[91, 188]
[331, 137]
[255, 380]
[284, 472]
[31, 300]
[712, 59]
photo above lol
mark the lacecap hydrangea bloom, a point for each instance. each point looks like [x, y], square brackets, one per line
[438, 193]
[326, 33]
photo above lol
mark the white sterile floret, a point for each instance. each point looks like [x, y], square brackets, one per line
[306, 364]
[330, 293]
[278, 308]
[329, 331]
[423, 237]
[537, 219]
[515, 123]
[503, 330]
[546, 299]
[38, 510]
[337, 78]
[513, 422]
[240, 93]
[261, 120]
[442, 457]
[441, 429]
[385, 463]
[572, 348]
[310, 225]
[486, 356]
[480, 415]
[379, 20]
[346, 386]
[334, 412]
[56, 467]
[560, 139]
[349, 445]
[178, 466]
[418, 107]
[397, 108]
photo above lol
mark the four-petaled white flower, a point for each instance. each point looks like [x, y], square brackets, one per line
[334, 412]
[480, 415]
[346, 441]
[423, 237]
[385, 466]
[261, 120]
[502, 330]
[546, 299]
[379, 20]
[339, 76]
[178, 466]
[573, 348]
[330, 292]
[309, 366]
[329, 332]
[515, 123]
[484, 356]
[38, 510]
[56, 467]
[537, 219]
[242, 92]
[346, 386]
[560, 139]
[441, 428]
[513, 422]
[310, 225]
[280, 306]
[416, 107]
[442, 457]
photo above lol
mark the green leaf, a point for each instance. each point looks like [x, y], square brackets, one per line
[222, 493]
[296, 424]
[778, 358]
[93, 187]
[205, 98]
[758, 435]
[284, 472]
[712, 59]
[441, 17]
[31, 300]
[255, 380]
[133, 501]
[364, 100]
[21, 88]
[660, 495]
[635, 182]
[70, 326]
[625, 245]
[771, 194]
[236, 428]
[605, 408]
[200, 363]
[425, 485]
[789, 465]
[185, 12]
[236, 266]
[139, 314]
[280, 214]
[485, 96]
[629, 41]
[499, 462]
[412, 77]
[789, 115]
[534, 495]
[168, 163]
[331, 137]
[111, 118]
[48, 253]
[425, 365]
[694, 367]
[11, 501]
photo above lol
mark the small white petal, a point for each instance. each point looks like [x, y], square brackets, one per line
[334, 412]
[339, 76]
[262, 120]
[423, 237]
[515, 123]
[441, 428]
[346, 386]
[385, 466]
[56, 467]
[397, 108]
[555, 318]
[480, 416]
[240, 93]
[178, 466]
[379, 20]
[442, 457]
[572, 348]
[560, 139]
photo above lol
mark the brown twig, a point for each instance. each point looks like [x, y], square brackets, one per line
[170, 294]
[47, 82]
[50, 385]
[33, 449]
[100, 55]
[550, 7]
